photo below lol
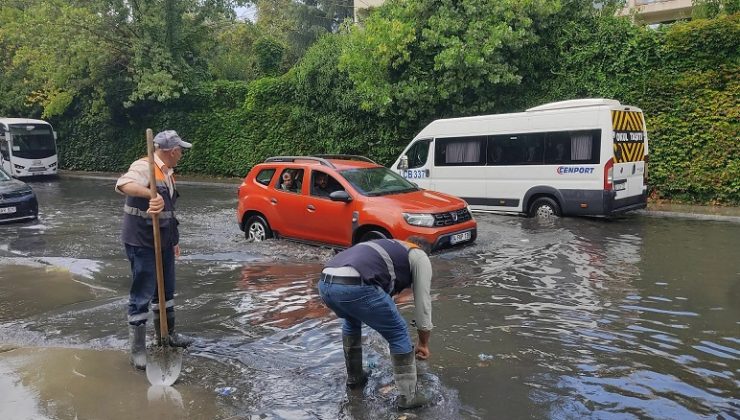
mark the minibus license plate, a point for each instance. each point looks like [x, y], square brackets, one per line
[620, 187]
[459, 237]
[7, 210]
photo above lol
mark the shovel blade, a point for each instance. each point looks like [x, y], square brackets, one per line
[163, 365]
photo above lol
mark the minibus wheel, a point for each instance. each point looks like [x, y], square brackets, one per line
[544, 207]
[256, 229]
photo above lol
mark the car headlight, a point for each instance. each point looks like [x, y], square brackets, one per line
[419, 219]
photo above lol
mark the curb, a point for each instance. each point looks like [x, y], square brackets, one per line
[691, 216]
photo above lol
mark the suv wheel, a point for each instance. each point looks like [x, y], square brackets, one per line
[374, 234]
[257, 230]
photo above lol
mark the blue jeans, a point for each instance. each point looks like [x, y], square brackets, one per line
[370, 305]
[144, 281]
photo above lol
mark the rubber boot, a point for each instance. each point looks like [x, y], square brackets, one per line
[356, 376]
[176, 339]
[137, 342]
[404, 373]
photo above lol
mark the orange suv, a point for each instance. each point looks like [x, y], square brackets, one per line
[340, 200]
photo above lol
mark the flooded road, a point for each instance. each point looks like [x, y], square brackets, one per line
[632, 318]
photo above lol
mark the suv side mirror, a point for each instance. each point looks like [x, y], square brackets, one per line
[404, 163]
[341, 195]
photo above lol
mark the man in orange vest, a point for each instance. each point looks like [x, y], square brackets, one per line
[138, 240]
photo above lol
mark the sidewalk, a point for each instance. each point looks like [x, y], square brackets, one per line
[688, 211]
[181, 179]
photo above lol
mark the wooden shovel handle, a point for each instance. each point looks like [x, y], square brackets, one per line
[157, 242]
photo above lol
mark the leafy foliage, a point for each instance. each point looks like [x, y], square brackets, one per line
[303, 80]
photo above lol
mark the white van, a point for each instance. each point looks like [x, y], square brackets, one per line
[578, 157]
[28, 147]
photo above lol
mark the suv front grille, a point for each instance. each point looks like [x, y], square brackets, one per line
[452, 217]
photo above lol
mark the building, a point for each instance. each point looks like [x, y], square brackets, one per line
[657, 11]
[646, 11]
[361, 7]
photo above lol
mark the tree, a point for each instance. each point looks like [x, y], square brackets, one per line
[102, 50]
[446, 57]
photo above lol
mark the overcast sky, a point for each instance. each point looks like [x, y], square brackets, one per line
[248, 12]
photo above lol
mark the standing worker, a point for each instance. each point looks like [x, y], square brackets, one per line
[357, 284]
[138, 239]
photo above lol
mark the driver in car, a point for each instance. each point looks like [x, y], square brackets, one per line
[321, 185]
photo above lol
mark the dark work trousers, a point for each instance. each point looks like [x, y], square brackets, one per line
[144, 281]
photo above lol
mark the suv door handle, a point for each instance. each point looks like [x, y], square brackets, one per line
[273, 200]
[311, 207]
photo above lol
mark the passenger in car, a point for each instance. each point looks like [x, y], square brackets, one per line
[289, 184]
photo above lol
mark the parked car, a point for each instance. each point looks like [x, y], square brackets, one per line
[340, 200]
[17, 200]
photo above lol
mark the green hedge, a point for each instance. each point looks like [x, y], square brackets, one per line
[684, 76]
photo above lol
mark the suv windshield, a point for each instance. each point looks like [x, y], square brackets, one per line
[377, 181]
[32, 141]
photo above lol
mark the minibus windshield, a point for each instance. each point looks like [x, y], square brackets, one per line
[32, 141]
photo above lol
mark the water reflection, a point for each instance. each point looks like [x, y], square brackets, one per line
[280, 295]
[574, 318]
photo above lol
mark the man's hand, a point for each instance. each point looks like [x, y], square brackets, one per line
[422, 347]
[422, 353]
[177, 251]
[156, 205]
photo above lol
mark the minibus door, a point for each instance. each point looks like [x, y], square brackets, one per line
[415, 164]
[5, 152]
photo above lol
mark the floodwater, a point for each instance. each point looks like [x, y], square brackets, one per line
[576, 318]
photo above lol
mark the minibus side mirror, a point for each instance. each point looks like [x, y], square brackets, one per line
[55, 135]
[341, 195]
[404, 163]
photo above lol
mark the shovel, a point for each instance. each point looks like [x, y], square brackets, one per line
[163, 362]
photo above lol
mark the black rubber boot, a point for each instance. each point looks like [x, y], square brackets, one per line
[137, 343]
[356, 376]
[176, 339]
[404, 372]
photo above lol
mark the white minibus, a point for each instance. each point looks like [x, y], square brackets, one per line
[27, 147]
[577, 157]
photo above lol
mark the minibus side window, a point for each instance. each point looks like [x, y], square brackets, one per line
[4, 150]
[460, 151]
[533, 147]
[557, 148]
[573, 147]
[418, 154]
[516, 149]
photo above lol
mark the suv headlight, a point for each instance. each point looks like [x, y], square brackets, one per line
[419, 219]
[470, 212]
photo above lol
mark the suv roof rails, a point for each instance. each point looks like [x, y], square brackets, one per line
[347, 157]
[295, 158]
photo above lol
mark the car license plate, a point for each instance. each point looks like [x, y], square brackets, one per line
[620, 187]
[459, 237]
[7, 210]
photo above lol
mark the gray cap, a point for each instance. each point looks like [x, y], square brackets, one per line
[169, 139]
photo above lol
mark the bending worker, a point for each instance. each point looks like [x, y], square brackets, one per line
[357, 284]
[138, 239]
